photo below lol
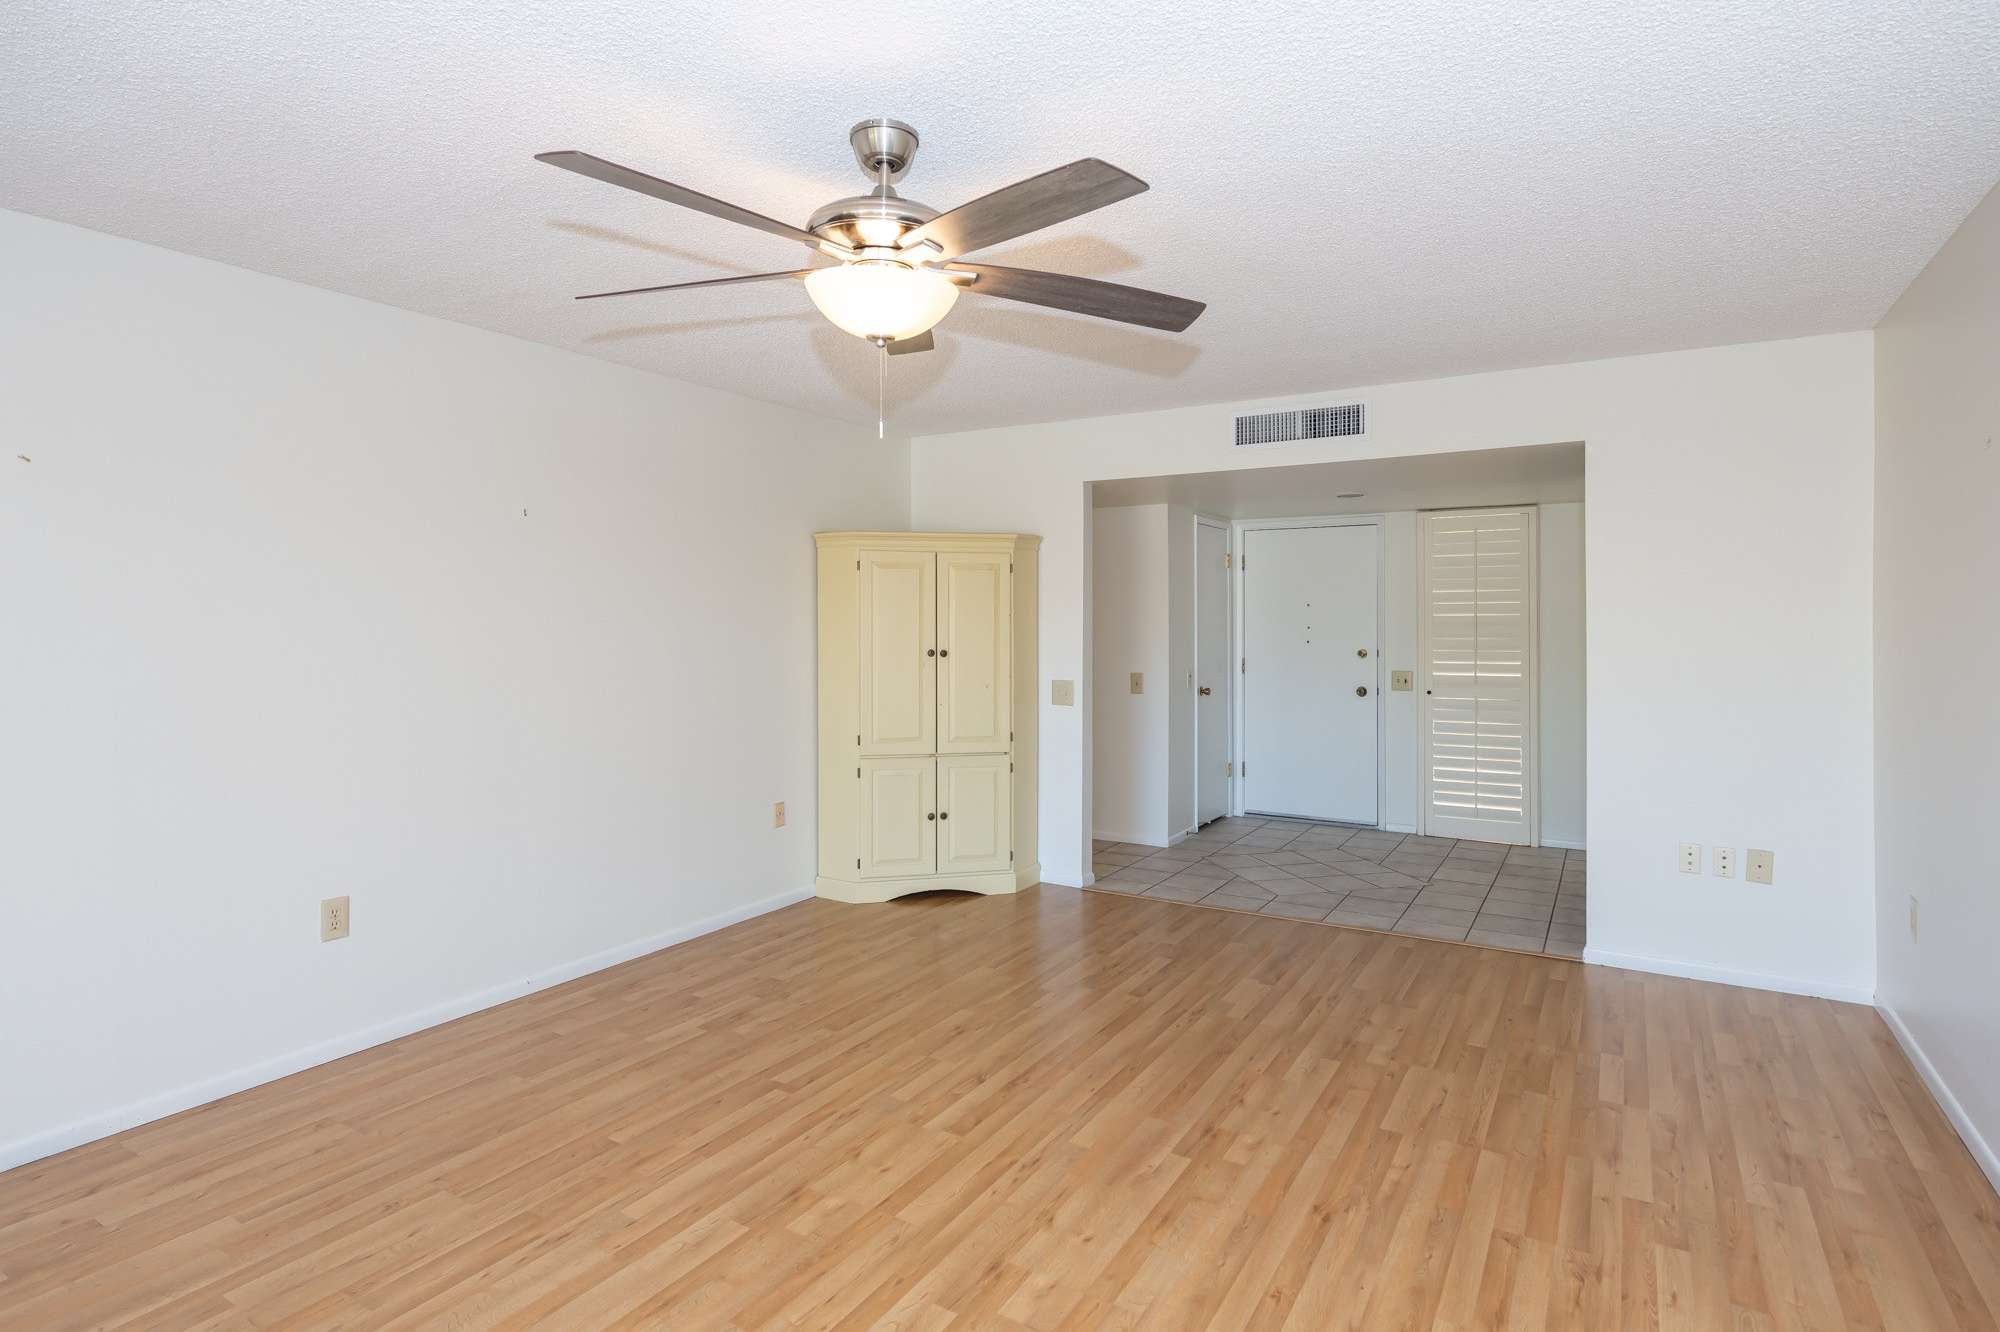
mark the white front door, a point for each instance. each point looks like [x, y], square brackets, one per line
[1310, 668]
[1478, 660]
[1212, 673]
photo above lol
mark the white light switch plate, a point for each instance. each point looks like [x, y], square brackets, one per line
[1138, 682]
[1062, 693]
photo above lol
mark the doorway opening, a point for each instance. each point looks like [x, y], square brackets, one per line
[1328, 690]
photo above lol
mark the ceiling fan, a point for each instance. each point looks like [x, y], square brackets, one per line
[899, 268]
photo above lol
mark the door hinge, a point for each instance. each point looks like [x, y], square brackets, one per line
[857, 565]
[1246, 768]
[1228, 560]
[1010, 767]
[1229, 769]
[1243, 667]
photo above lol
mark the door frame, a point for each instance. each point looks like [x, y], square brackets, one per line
[1228, 530]
[1239, 736]
[1531, 769]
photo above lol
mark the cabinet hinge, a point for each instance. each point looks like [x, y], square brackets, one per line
[857, 772]
[857, 862]
[857, 564]
[857, 742]
[1229, 769]
[1228, 560]
[1243, 667]
[1010, 857]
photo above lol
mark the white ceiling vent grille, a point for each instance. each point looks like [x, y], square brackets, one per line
[1346, 420]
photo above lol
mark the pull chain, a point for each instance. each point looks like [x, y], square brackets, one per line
[881, 391]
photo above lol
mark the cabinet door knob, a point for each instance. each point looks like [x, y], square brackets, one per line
[932, 817]
[944, 652]
[931, 653]
[943, 815]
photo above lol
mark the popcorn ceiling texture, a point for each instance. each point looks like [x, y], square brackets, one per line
[1365, 192]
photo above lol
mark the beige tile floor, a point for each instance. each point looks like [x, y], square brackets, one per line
[1527, 898]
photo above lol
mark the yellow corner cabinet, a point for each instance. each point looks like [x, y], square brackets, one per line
[926, 713]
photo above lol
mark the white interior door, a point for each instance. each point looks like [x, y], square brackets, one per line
[1212, 675]
[1478, 662]
[1310, 666]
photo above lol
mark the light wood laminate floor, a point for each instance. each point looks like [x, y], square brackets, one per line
[1055, 1110]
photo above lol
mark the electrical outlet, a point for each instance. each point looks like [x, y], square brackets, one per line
[333, 919]
[1138, 682]
[1690, 857]
[1758, 865]
[1402, 681]
[1062, 693]
[1724, 861]
[778, 815]
[1913, 915]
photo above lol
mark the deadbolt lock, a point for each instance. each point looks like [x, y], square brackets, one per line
[1361, 652]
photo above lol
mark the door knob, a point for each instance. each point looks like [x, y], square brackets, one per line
[1361, 691]
[1361, 652]
[1206, 691]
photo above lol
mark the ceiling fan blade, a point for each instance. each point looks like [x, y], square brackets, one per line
[1025, 206]
[705, 282]
[1060, 291]
[904, 346]
[583, 164]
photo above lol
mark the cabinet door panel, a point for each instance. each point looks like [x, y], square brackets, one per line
[975, 675]
[975, 814]
[898, 634]
[898, 833]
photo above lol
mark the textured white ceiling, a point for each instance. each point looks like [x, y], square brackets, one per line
[1363, 192]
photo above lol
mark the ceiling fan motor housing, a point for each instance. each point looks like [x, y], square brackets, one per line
[880, 143]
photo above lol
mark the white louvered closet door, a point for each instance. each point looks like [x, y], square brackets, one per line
[1478, 657]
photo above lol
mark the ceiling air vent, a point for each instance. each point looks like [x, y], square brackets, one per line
[1346, 420]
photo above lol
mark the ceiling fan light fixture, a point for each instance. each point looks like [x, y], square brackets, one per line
[881, 300]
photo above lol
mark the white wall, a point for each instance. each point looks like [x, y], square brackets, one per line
[306, 596]
[1563, 684]
[1132, 730]
[1728, 657]
[1937, 653]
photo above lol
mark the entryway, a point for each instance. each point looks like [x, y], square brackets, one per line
[1364, 680]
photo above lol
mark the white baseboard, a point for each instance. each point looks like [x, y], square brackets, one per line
[1410, 828]
[1061, 880]
[1846, 992]
[1968, 1132]
[1123, 837]
[38, 1145]
[1562, 844]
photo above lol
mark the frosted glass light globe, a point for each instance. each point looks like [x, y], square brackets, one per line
[876, 299]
